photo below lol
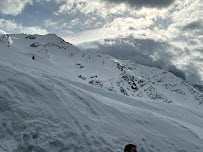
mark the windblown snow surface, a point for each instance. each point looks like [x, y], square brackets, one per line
[46, 107]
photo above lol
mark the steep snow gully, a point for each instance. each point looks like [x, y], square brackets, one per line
[46, 107]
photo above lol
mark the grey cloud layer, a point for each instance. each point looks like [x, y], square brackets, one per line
[195, 25]
[144, 3]
[8, 26]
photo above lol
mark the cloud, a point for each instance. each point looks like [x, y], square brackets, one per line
[119, 27]
[143, 3]
[10, 26]
[97, 13]
[102, 9]
[129, 23]
[50, 23]
[62, 25]
[13, 7]
[193, 74]
[2, 32]
[194, 25]
[87, 7]
[32, 30]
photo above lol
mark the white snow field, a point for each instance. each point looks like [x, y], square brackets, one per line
[67, 100]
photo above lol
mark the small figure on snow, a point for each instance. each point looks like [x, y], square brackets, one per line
[130, 148]
[33, 57]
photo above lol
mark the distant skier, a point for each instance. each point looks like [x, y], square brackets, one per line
[130, 148]
[33, 57]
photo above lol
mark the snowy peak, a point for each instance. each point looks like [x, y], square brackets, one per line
[41, 45]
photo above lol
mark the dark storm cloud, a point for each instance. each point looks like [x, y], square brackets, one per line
[143, 3]
[193, 74]
[195, 25]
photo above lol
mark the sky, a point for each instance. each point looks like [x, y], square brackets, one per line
[164, 33]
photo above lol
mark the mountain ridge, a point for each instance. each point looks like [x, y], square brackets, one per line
[121, 76]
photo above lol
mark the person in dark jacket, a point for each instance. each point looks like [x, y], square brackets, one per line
[33, 57]
[130, 148]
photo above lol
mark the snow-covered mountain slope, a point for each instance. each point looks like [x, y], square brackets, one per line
[122, 77]
[68, 100]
